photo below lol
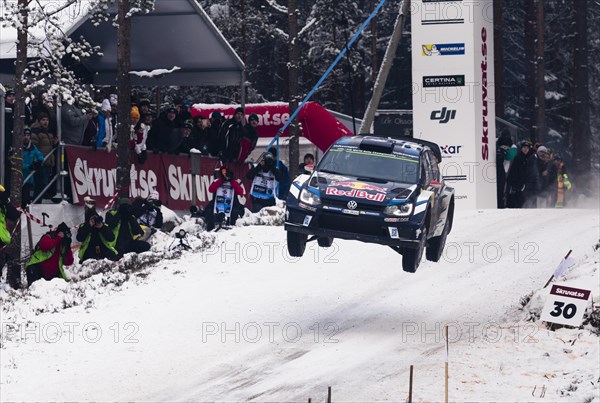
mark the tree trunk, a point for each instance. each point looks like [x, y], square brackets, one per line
[499, 56]
[580, 126]
[13, 252]
[244, 44]
[540, 73]
[373, 27]
[124, 91]
[530, 35]
[294, 55]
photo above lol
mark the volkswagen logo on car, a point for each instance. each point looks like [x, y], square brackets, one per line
[352, 205]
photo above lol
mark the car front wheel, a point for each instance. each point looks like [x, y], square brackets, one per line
[296, 243]
[412, 257]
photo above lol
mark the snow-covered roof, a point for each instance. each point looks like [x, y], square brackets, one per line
[176, 33]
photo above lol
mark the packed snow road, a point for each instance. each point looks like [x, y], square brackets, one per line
[244, 321]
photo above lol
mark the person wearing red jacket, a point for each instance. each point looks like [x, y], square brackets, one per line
[224, 208]
[51, 254]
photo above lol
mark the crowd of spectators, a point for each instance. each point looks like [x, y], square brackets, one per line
[530, 175]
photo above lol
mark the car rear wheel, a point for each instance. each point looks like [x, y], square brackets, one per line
[325, 242]
[412, 257]
[296, 243]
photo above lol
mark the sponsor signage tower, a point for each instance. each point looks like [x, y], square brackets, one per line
[453, 92]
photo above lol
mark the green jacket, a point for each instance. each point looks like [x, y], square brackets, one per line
[86, 243]
[40, 256]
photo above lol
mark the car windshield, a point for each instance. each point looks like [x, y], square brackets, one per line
[371, 165]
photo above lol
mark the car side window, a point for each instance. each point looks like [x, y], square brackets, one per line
[425, 172]
[435, 171]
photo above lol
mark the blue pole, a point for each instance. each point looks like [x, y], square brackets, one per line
[324, 76]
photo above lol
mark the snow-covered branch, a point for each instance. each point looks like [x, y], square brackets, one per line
[278, 7]
[154, 73]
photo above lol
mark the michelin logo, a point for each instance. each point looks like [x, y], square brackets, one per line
[443, 49]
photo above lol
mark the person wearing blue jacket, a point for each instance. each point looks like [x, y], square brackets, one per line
[105, 128]
[32, 161]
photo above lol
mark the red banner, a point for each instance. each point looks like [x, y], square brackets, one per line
[94, 174]
[316, 123]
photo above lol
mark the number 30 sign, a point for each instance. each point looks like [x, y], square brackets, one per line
[565, 305]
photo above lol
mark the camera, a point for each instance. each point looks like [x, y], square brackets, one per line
[97, 220]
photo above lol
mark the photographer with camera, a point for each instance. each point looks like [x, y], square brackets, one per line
[224, 208]
[264, 177]
[148, 213]
[126, 229]
[96, 240]
[51, 254]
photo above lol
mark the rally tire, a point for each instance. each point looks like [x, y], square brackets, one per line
[325, 242]
[412, 257]
[436, 245]
[296, 243]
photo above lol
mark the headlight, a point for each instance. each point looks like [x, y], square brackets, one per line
[309, 198]
[399, 210]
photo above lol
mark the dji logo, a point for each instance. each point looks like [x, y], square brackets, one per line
[444, 116]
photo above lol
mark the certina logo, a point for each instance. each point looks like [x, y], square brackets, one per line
[484, 97]
[443, 49]
[444, 116]
[450, 149]
[443, 81]
[442, 12]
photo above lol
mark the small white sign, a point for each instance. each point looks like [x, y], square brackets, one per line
[394, 233]
[565, 305]
[307, 219]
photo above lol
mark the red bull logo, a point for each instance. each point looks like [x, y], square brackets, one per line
[358, 186]
[358, 194]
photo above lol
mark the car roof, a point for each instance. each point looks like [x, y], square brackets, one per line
[403, 146]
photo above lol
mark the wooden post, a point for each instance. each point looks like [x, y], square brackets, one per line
[446, 367]
[329, 394]
[309, 400]
[410, 385]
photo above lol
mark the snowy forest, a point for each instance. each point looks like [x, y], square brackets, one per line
[567, 38]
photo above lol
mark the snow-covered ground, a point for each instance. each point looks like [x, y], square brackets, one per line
[244, 321]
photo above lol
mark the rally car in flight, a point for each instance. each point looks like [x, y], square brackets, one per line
[375, 190]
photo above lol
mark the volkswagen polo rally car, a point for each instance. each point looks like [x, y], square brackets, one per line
[374, 190]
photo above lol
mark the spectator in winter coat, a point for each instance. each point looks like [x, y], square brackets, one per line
[162, 131]
[51, 254]
[90, 135]
[182, 141]
[523, 181]
[73, 124]
[230, 137]
[559, 183]
[32, 162]
[283, 184]
[308, 159]
[216, 121]
[148, 211]
[183, 111]
[7, 212]
[224, 208]
[45, 142]
[126, 229]
[97, 240]
[106, 135]
[264, 177]
[145, 107]
[201, 134]
[249, 139]
[141, 131]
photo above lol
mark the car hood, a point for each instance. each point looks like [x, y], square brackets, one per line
[334, 187]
